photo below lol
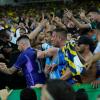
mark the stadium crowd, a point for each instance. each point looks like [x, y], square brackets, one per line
[36, 46]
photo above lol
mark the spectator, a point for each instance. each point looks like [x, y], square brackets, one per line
[27, 61]
[96, 82]
[57, 90]
[28, 94]
[81, 95]
[85, 50]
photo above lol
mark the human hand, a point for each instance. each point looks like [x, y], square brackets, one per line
[68, 13]
[95, 83]
[43, 22]
[41, 54]
[3, 64]
[4, 94]
[88, 64]
[51, 68]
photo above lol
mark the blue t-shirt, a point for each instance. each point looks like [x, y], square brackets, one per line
[61, 65]
[27, 61]
[61, 68]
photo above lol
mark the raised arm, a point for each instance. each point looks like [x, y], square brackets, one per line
[78, 24]
[59, 23]
[33, 34]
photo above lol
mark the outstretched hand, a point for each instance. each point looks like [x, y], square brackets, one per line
[43, 22]
[4, 94]
[68, 13]
[3, 66]
[95, 83]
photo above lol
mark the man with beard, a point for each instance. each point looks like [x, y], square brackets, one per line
[85, 50]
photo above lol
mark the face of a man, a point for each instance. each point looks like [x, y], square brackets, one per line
[93, 15]
[81, 48]
[69, 36]
[55, 39]
[48, 37]
[71, 24]
[20, 46]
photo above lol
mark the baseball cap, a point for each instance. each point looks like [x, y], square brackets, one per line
[87, 41]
